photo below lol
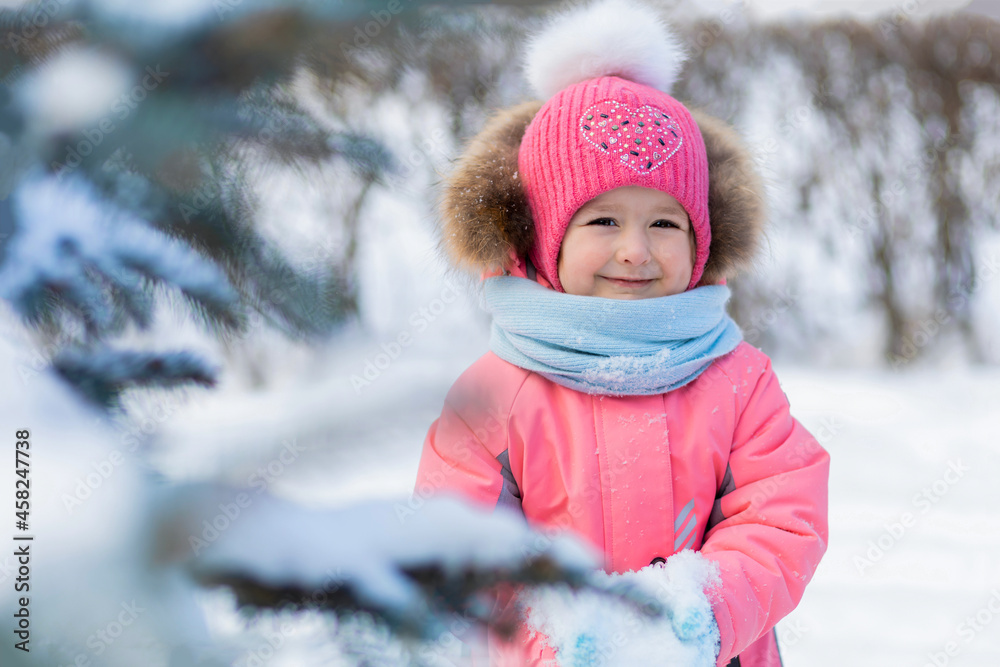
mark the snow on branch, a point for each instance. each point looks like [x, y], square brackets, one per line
[75, 250]
[412, 572]
[101, 375]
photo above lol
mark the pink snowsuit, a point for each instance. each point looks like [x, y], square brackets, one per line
[718, 465]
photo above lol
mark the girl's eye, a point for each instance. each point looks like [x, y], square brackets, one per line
[604, 222]
[666, 224]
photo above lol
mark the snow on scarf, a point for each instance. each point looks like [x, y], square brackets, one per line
[599, 345]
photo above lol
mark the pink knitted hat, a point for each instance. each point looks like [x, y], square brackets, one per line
[608, 123]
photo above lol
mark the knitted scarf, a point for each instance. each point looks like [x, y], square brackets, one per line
[618, 347]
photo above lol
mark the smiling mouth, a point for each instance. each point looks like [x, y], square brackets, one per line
[624, 282]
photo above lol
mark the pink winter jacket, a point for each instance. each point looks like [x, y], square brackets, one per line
[718, 465]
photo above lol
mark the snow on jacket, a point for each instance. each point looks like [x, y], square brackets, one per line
[718, 465]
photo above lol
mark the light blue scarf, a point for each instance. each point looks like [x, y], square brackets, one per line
[620, 347]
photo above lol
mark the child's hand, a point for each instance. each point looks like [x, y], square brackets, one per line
[588, 629]
[692, 622]
[689, 611]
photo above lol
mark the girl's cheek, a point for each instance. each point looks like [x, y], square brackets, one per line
[592, 254]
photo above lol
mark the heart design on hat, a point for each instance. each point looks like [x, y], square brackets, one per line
[641, 138]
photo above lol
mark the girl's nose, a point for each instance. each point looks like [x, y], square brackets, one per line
[632, 246]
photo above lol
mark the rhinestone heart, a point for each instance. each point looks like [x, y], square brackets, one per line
[641, 138]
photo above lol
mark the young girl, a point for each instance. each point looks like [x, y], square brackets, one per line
[618, 400]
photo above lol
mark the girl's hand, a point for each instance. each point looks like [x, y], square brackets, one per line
[689, 610]
[676, 628]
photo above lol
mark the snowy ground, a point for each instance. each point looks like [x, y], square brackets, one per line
[914, 537]
[913, 559]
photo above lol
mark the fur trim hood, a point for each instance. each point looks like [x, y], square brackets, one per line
[485, 214]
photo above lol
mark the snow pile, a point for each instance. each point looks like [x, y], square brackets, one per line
[586, 628]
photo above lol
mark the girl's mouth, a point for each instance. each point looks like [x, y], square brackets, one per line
[629, 284]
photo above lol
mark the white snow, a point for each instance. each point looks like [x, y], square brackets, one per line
[64, 231]
[365, 545]
[90, 586]
[581, 626]
[74, 89]
[913, 531]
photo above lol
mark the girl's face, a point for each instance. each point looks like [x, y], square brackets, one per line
[628, 243]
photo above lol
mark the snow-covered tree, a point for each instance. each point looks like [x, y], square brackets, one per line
[132, 137]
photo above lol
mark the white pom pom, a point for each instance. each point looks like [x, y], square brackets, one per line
[604, 38]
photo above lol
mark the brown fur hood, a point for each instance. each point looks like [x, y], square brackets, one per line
[485, 212]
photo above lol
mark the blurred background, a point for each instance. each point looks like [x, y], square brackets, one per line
[219, 264]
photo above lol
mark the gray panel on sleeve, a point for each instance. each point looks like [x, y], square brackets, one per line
[510, 495]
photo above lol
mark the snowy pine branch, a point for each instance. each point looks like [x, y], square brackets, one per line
[103, 374]
[139, 115]
[413, 570]
[69, 245]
